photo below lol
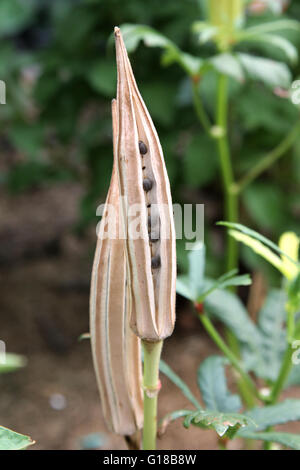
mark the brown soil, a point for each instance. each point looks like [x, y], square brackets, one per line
[44, 308]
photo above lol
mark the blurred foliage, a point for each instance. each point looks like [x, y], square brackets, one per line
[60, 72]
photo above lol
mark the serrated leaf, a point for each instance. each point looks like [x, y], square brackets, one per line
[212, 383]
[220, 422]
[272, 73]
[286, 411]
[227, 307]
[11, 440]
[224, 281]
[284, 438]
[271, 321]
[165, 369]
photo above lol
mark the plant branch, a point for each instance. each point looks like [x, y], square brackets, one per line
[268, 160]
[152, 352]
[200, 111]
[230, 356]
[231, 200]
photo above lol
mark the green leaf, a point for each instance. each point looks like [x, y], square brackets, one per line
[271, 319]
[227, 307]
[266, 205]
[229, 65]
[270, 27]
[257, 236]
[165, 369]
[168, 418]
[286, 411]
[11, 440]
[102, 76]
[196, 259]
[226, 280]
[278, 42]
[204, 31]
[183, 288]
[272, 73]
[159, 98]
[133, 34]
[220, 422]
[284, 438]
[14, 14]
[200, 162]
[212, 383]
[12, 362]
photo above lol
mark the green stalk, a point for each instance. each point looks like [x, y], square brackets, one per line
[231, 199]
[152, 352]
[267, 161]
[249, 384]
[200, 111]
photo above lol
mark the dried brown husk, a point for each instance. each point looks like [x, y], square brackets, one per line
[152, 290]
[115, 348]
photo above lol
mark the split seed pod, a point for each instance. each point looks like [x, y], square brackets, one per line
[143, 180]
[115, 348]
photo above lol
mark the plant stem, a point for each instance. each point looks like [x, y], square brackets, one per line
[152, 352]
[231, 198]
[230, 356]
[268, 160]
[283, 374]
[200, 111]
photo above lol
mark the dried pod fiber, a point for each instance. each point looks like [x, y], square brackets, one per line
[115, 348]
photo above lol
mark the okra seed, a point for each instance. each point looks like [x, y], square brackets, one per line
[142, 147]
[153, 238]
[155, 262]
[147, 184]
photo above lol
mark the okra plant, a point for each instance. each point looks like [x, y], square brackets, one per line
[133, 303]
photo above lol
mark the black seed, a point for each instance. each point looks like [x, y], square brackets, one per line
[147, 184]
[155, 262]
[143, 148]
[153, 238]
[143, 168]
[148, 205]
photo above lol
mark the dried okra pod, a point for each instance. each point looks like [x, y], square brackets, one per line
[115, 348]
[144, 183]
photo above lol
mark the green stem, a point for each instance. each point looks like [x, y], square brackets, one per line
[230, 356]
[152, 352]
[231, 198]
[200, 111]
[269, 159]
[283, 374]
